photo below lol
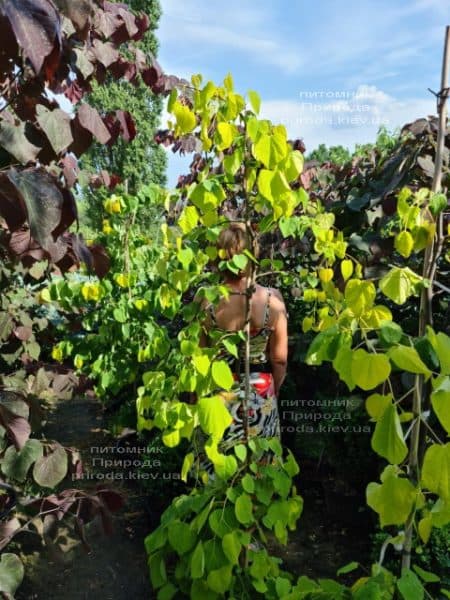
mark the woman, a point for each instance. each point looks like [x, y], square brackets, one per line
[268, 345]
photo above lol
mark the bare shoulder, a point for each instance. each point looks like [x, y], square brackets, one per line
[276, 294]
[277, 306]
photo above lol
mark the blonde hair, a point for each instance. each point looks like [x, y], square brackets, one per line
[233, 240]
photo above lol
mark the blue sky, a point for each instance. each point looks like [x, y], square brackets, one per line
[331, 71]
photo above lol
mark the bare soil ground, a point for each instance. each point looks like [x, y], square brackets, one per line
[329, 533]
[115, 568]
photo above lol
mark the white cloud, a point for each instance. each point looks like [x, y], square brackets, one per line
[345, 122]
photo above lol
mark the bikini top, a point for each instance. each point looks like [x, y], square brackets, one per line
[259, 338]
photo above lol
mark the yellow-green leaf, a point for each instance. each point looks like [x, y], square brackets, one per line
[228, 82]
[188, 219]
[186, 120]
[325, 275]
[201, 364]
[408, 359]
[400, 284]
[393, 500]
[265, 184]
[376, 404]
[222, 375]
[243, 509]
[213, 416]
[187, 464]
[231, 546]
[219, 580]
[359, 295]
[443, 352]
[270, 149]
[225, 135]
[255, 101]
[404, 243]
[198, 561]
[226, 467]
[369, 370]
[436, 470]
[440, 401]
[181, 537]
[346, 269]
[293, 165]
[343, 366]
[424, 526]
[375, 317]
[171, 438]
[387, 439]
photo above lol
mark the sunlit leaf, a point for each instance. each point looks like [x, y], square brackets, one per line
[213, 416]
[436, 470]
[393, 500]
[387, 439]
[440, 401]
[408, 359]
[369, 370]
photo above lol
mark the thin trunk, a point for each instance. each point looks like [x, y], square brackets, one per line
[432, 252]
[250, 286]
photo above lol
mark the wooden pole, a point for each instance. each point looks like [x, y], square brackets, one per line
[425, 310]
[442, 110]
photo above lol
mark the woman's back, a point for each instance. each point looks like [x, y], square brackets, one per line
[230, 314]
[252, 401]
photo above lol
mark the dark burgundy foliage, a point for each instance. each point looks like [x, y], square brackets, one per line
[84, 507]
[60, 46]
[363, 193]
[17, 428]
[104, 179]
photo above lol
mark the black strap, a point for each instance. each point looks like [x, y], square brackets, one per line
[267, 309]
[212, 313]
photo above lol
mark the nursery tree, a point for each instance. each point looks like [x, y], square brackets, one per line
[244, 169]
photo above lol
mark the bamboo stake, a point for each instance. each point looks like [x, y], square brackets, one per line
[250, 286]
[425, 311]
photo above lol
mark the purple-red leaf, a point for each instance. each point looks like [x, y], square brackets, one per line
[12, 208]
[7, 531]
[14, 139]
[129, 20]
[142, 24]
[70, 169]
[43, 200]
[90, 120]
[127, 126]
[22, 244]
[106, 23]
[100, 260]
[18, 428]
[36, 25]
[82, 138]
[74, 92]
[49, 470]
[83, 64]
[23, 333]
[105, 53]
[80, 12]
[56, 126]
